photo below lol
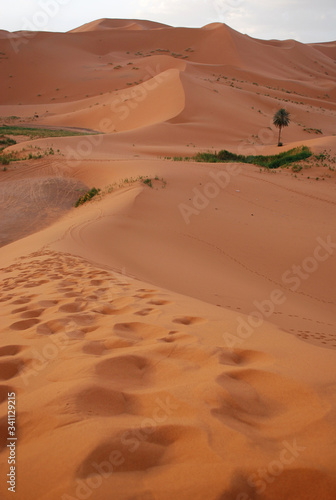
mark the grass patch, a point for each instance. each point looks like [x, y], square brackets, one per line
[270, 161]
[148, 182]
[313, 130]
[5, 142]
[37, 133]
[4, 160]
[296, 168]
[31, 154]
[87, 196]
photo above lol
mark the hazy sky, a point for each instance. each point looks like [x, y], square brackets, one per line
[304, 20]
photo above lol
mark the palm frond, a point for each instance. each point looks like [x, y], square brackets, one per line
[281, 118]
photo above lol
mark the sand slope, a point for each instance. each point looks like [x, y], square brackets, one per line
[147, 377]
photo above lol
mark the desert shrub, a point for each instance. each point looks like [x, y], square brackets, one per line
[148, 182]
[4, 160]
[5, 142]
[296, 168]
[87, 196]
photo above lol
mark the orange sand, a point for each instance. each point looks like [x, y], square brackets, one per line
[179, 341]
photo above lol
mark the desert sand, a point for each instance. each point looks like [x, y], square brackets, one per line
[173, 341]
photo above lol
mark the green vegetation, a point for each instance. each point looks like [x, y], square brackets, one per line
[325, 156]
[269, 161]
[87, 196]
[296, 168]
[37, 133]
[32, 133]
[313, 130]
[5, 142]
[148, 182]
[34, 154]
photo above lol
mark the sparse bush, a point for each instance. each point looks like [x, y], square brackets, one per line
[87, 196]
[296, 168]
[148, 182]
[4, 160]
[5, 142]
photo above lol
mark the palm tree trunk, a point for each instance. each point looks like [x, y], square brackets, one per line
[279, 135]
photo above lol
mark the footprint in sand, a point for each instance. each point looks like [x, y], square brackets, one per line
[243, 357]
[247, 398]
[73, 307]
[24, 324]
[188, 320]
[4, 391]
[11, 350]
[159, 302]
[132, 455]
[10, 369]
[33, 284]
[52, 327]
[3, 433]
[126, 372]
[177, 336]
[97, 282]
[47, 303]
[111, 309]
[145, 293]
[147, 311]
[136, 331]
[95, 347]
[94, 400]
[134, 450]
[23, 300]
[6, 298]
[33, 313]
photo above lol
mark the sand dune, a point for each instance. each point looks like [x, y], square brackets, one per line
[173, 341]
[132, 369]
[128, 24]
[128, 109]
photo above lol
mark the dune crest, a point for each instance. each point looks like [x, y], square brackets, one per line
[107, 24]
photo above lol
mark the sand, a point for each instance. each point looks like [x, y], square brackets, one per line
[173, 341]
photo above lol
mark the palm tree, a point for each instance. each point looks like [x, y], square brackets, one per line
[281, 119]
